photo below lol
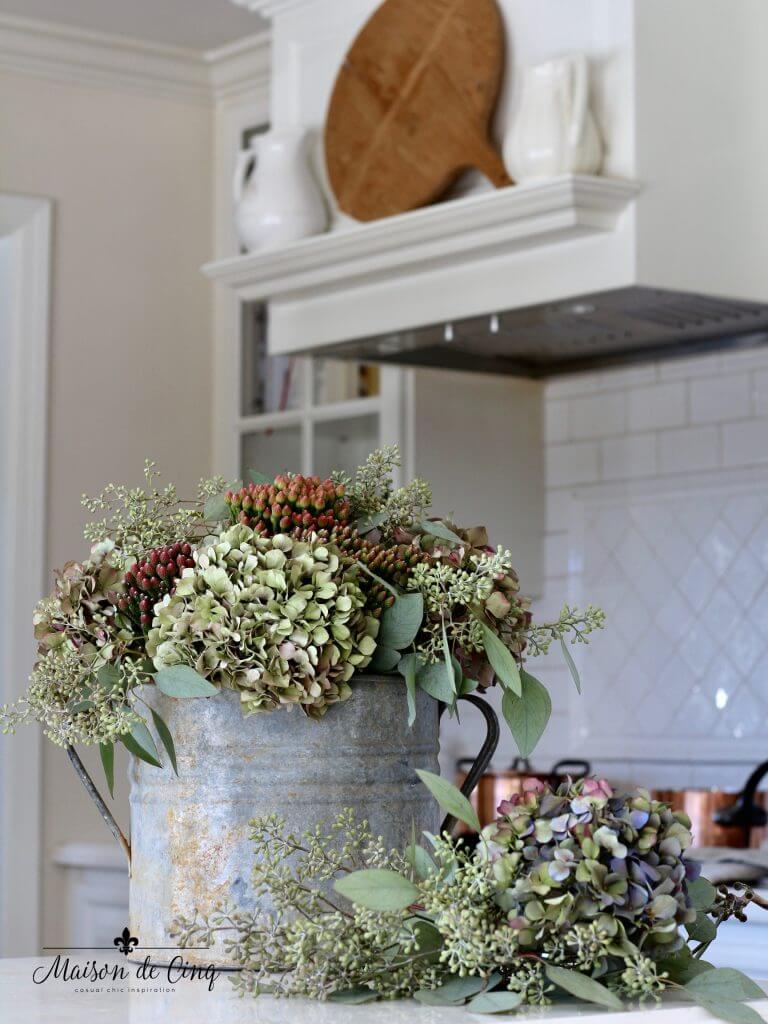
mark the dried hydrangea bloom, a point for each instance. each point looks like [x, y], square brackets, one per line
[586, 871]
[281, 620]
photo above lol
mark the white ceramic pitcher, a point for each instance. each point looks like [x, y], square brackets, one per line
[554, 132]
[277, 200]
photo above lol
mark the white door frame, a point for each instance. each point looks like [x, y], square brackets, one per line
[26, 222]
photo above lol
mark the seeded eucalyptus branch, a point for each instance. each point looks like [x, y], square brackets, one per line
[574, 891]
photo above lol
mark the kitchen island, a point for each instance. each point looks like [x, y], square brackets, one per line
[31, 994]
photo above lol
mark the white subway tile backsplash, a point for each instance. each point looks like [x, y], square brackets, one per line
[624, 458]
[571, 384]
[685, 451]
[555, 421]
[683, 576]
[568, 464]
[558, 510]
[698, 366]
[556, 555]
[760, 392]
[632, 377]
[657, 407]
[597, 415]
[754, 358]
[746, 443]
[714, 399]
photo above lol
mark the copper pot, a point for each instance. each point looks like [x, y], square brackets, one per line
[493, 787]
[719, 818]
[701, 806]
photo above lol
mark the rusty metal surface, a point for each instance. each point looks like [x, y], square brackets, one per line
[190, 835]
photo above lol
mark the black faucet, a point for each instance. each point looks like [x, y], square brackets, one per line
[744, 812]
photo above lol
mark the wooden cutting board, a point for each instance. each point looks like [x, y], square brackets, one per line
[411, 105]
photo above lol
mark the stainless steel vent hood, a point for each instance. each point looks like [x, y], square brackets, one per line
[612, 328]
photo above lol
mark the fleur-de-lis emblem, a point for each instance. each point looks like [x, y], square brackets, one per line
[126, 942]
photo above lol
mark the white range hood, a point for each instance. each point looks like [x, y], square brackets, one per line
[664, 253]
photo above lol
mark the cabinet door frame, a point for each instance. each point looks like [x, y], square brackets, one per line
[26, 225]
[232, 121]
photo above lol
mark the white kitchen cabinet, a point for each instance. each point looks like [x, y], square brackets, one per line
[477, 439]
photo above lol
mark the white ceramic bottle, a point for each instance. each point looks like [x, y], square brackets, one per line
[277, 200]
[554, 132]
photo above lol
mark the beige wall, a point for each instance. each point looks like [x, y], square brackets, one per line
[130, 176]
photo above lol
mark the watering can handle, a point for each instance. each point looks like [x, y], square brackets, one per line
[104, 811]
[484, 757]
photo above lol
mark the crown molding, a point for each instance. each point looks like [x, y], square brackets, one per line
[103, 60]
[241, 68]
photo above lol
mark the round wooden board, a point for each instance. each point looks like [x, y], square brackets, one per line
[411, 105]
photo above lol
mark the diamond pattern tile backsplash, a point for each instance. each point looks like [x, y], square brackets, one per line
[681, 669]
[657, 509]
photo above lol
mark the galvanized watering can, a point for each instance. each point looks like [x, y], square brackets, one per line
[190, 848]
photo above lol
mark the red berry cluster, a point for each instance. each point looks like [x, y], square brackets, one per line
[288, 503]
[152, 578]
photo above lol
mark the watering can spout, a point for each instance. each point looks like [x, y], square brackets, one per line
[104, 811]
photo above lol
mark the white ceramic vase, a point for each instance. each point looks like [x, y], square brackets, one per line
[277, 200]
[554, 132]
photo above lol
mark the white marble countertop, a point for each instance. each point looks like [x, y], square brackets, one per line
[132, 1001]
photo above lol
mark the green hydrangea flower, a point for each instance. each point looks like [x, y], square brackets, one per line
[280, 620]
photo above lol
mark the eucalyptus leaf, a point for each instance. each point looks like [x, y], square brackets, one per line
[107, 753]
[736, 1013]
[467, 686]
[571, 664]
[724, 983]
[441, 531]
[450, 798]
[583, 987]
[139, 742]
[367, 523]
[258, 478]
[702, 928]
[216, 509]
[455, 990]
[183, 681]
[452, 678]
[502, 660]
[419, 860]
[165, 738]
[108, 676]
[384, 659]
[433, 679]
[682, 966]
[495, 1002]
[408, 668]
[428, 937]
[377, 889]
[401, 621]
[353, 996]
[79, 706]
[701, 893]
[527, 715]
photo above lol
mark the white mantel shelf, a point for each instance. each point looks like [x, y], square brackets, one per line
[515, 218]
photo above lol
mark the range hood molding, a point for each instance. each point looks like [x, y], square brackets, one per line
[329, 288]
[694, 235]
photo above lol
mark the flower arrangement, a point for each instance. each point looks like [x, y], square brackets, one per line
[576, 891]
[280, 589]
